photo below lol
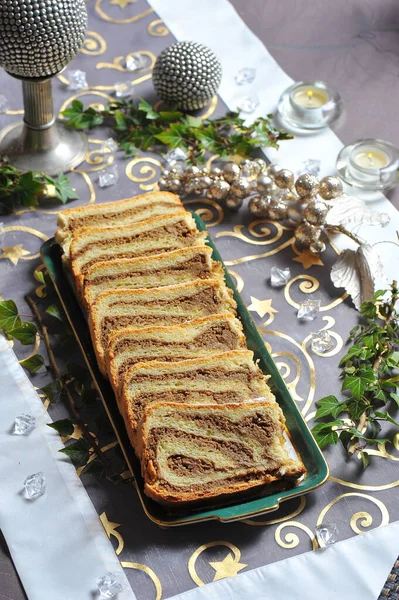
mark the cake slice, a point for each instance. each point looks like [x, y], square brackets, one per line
[92, 244]
[169, 268]
[200, 337]
[111, 214]
[230, 377]
[194, 454]
[117, 309]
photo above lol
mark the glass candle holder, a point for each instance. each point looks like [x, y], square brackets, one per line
[369, 164]
[307, 106]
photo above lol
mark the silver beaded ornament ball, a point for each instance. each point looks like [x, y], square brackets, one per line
[187, 75]
[38, 39]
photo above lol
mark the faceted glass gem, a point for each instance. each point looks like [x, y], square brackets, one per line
[109, 146]
[4, 104]
[108, 176]
[248, 104]
[326, 534]
[77, 80]
[308, 310]
[123, 89]
[109, 586]
[24, 424]
[245, 76]
[35, 485]
[312, 166]
[137, 61]
[279, 277]
[174, 156]
[322, 341]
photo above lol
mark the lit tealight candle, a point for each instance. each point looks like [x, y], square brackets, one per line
[371, 159]
[369, 164]
[310, 97]
[308, 105]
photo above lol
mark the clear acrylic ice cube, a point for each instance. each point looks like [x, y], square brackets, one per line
[77, 80]
[308, 310]
[245, 76]
[24, 424]
[322, 341]
[137, 61]
[109, 586]
[279, 277]
[108, 176]
[326, 534]
[248, 104]
[123, 89]
[35, 485]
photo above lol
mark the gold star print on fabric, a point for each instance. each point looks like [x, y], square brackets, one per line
[262, 307]
[122, 3]
[14, 253]
[308, 259]
[228, 567]
[110, 529]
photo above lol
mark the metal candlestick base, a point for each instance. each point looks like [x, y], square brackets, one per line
[52, 151]
[40, 143]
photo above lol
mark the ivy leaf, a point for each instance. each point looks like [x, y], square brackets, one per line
[78, 118]
[174, 115]
[395, 397]
[39, 276]
[25, 333]
[53, 390]
[79, 373]
[329, 405]
[88, 396]
[95, 468]
[55, 312]
[325, 437]
[193, 121]
[365, 459]
[78, 452]
[356, 385]
[173, 137]
[33, 364]
[148, 109]
[345, 438]
[63, 187]
[386, 417]
[64, 427]
[9, 318]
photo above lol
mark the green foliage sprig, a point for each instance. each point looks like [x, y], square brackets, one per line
[370, 374]
[138, 126]
[25, 189]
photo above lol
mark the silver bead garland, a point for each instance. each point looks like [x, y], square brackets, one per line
[273, 191]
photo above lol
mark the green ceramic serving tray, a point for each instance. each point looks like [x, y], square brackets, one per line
[302, 439]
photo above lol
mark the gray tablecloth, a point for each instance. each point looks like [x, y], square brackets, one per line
[354, 47]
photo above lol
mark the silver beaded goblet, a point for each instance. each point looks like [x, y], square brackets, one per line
[37, 40]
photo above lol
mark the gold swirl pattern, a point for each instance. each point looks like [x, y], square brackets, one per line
[157, 28]
[308, 358]
[132, 19]
[26, 255]
[149, 169]
[33, 350]
[226, 568]
[239, 282]
[205, 213]
[40, 291]
[366, 488]
[285, 371]
[151, 574]
[291, 540]
[92, 92]
[110, 529]
[308, 286]
[263, 233]
[117, 64]
[94, 44]
[362, 518]
[382, 451]
[263, 523]
[338, 339]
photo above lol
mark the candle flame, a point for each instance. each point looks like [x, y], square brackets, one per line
[309, 94]
[370, 157]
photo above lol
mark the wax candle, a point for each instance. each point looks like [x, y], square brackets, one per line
[371, 158]
[308, 105]
[369, 164]
[310, 96]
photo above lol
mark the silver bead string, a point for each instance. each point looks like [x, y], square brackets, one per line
[272, 190]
